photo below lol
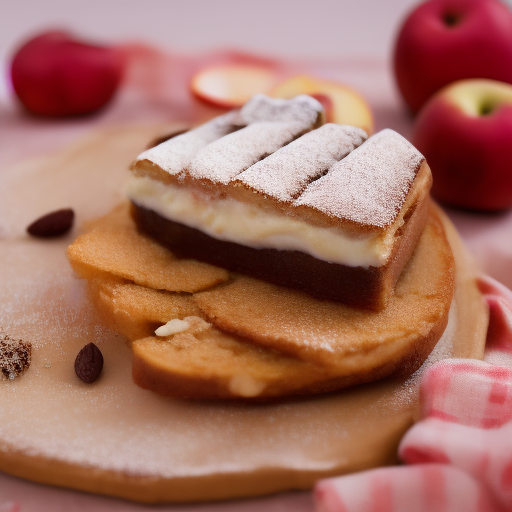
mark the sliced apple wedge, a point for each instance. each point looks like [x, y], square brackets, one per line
[232, 85]
[343, 105]
[326, 101]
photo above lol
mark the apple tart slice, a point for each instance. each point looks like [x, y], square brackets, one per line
[320, 209]
[269, 254]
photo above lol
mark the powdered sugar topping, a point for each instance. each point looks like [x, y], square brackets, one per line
[296, 115]
[370, 185]
[329, 169]
[271, 124]
[301, 109]
[226, 158]
[287, 172]
[175, 154]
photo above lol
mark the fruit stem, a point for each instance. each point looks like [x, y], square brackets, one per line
[486, 109]
[451, 19]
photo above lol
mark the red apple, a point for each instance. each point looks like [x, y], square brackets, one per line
[442, 41]
[56, 75]
[465, 132]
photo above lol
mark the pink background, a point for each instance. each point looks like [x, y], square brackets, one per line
[346, 41]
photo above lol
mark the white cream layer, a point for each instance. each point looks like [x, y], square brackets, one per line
[241, 223]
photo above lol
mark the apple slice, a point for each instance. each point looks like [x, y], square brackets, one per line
[232, 85]
[326, 102]
[342, 104]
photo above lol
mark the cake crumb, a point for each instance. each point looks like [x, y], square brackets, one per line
[175, 326]
[15, 356]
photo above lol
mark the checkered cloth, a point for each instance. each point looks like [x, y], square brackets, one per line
[459, 456]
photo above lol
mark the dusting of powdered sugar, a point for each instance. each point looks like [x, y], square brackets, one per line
[175, 154]
[226, 158]
[271, 124]
[408, 391]
[370, 185]
[286, 173]
[301, 109]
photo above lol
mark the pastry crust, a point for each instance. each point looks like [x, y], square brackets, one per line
[115, 248]
[281, 342]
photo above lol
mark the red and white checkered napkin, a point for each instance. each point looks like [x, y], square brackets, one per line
[459, 456]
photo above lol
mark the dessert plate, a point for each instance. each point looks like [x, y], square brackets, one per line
[116, 439]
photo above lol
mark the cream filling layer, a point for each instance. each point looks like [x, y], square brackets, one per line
[245, 224]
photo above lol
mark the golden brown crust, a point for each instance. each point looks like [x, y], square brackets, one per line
[239, 191]
[136, 311]
[406, 238]
[286, 342]
[113, 246]
[215, 365]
